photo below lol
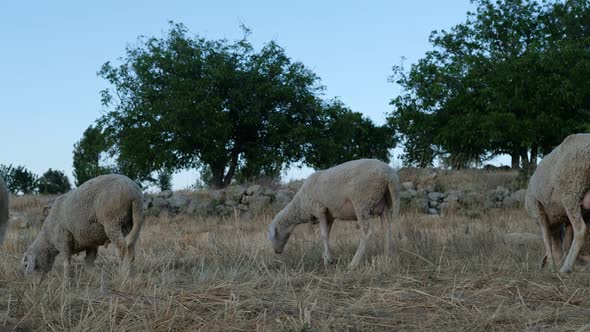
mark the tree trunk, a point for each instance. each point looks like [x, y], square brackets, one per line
[232, 167]
[515, 160]
[217, 173]
[525, 159]
[534, 155]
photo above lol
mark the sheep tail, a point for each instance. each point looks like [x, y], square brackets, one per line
[137, 215]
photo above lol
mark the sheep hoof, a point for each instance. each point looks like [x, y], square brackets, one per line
[328, 260]
[565, 270]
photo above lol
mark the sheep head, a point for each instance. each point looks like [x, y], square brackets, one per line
[37, 260]
[279, 234]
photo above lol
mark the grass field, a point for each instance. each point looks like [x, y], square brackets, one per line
[451, 273]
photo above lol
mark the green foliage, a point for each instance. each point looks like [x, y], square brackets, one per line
[165, 180]
[511, 79]
[89, 155]
[346, 135]
[54, 182]
[186, 102]
[19, 180]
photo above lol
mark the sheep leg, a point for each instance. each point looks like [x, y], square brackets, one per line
[66, 250]
[325, 228]
[116, 237]
[68, 268]
[574, 214]
[543, 222]
[386, 228]
[90, 258]
[365, 227]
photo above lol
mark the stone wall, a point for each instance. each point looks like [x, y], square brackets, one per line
[245, 202]
[427, 200]
[256, 200]
[423, 191]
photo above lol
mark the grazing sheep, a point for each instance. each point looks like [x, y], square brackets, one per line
[557, 196]
[3, 209]
[104, 209]
[355, 190]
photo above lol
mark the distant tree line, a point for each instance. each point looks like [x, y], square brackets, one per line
[512, 79]
[20, 180]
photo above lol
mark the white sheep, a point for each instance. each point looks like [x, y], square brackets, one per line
[354, 190]
[3, 209]
[557, 195]
[108, 208]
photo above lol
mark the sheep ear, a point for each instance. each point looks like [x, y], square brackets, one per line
[29, 263]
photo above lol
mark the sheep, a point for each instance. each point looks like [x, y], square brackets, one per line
[558, 195]
[3, 209]
[354, 190]
[108, 208]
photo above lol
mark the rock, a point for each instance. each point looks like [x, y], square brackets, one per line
[519, 196]
[509, 203]
[200, 204]
[436, 196]
[471, 199]
[283, 197]
[178, 201]
[231, 203]
[165, 194]
[432, 204]
[404, 195]
[418, 204]
[432, 211]
[412, 192]
[253, 190]
[408, 185]
[235, 193]
[259, 203]
[218, 196]
[222, 210]
[421, 193]
[502, 192]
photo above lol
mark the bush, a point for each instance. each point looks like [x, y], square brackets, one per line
[54, 182]
[19, 179]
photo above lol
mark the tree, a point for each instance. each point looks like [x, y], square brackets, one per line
[506, 81]
[19, 180]
[53, 182]
[186, 102]
[165, 180]
[90, 155]
[345, 135]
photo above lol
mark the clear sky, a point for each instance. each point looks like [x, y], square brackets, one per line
[51, 51]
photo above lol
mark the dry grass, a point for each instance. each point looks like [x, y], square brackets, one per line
[446, 274]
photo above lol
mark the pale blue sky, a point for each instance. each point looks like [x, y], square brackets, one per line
[51, 51]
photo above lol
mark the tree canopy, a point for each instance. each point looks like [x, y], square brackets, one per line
[54, 182]
[221, 106]
[512, 79]
[90, 156]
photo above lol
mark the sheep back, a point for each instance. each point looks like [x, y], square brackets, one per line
[86, 211]
[363, 181]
